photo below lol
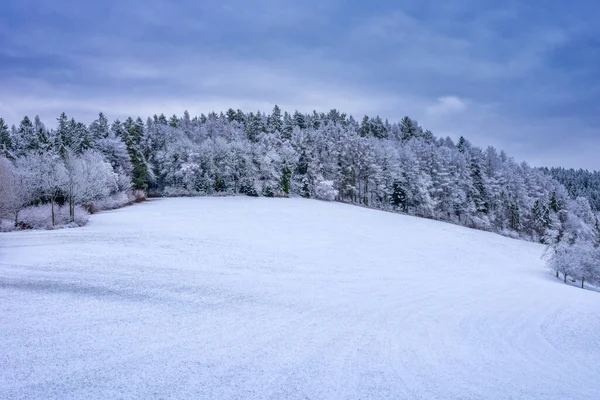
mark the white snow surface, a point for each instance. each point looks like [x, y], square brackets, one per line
[226, 298]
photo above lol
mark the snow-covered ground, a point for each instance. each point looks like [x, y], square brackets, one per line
[218, 298]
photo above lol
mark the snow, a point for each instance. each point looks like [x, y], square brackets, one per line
[287, 298]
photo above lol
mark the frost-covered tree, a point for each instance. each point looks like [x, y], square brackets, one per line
[99, 129]
[89, 177]
[578, 260]
[6, 143]
[17, 187]
[50, 179]
[395, 166]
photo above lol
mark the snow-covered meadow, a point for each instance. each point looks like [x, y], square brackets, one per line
[218, 298]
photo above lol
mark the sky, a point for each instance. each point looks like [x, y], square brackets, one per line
[523, 76]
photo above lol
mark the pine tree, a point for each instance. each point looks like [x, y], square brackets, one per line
[462, 145]
[399, 198]
[286, 178]
[302, 174]
[231, 115]
[541, 221]
[185, 123]
[554, 203]
[275, 122]
[479, 192]
[365, 127]
[99, 129]
[240, 117]
[174, 121]
[254, 127]
[62, 136]
[132, 133]
[6, 144]
[43, 138]
[378, 128]
[409, 129]
[27, 136]
[161, 119]
[299, 120]
[82, 139]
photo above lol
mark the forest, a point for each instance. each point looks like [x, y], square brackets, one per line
[54, 177]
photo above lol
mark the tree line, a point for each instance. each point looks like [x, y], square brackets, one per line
[398, 166]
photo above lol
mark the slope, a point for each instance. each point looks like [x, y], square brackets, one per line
[287, 298]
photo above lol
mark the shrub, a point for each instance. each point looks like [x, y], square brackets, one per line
[324, 190]
[117, 200]
[40, 217]
[139, 195]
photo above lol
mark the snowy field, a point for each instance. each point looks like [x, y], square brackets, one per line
[219, 298]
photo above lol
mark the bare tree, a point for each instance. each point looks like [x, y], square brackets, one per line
[17, 189]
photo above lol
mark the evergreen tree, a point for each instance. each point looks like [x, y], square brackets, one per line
[275, 122]
[240, 117]
[132, 133]
[479, 192]
[161, 119]
[81, 138]
[28, 138]
[174, 121]
[299, 120]
[99, 129]
[541, 219]
[43, 138]
[554, 203]
[6, 144]
[231, 115]
[462, 145]
[378, 128]
[62, 136]
[409, 129]
[365, 127]
[287, 128]
[254, 127]
[399, 198]
[286, 177]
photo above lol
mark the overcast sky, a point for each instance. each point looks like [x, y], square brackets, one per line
[523, 76]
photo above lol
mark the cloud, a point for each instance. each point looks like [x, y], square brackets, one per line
[514, 76]
[446, 105]
[199, 84]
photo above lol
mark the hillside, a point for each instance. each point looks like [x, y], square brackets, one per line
[287, 298]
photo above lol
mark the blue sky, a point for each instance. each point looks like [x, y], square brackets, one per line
[523, 76]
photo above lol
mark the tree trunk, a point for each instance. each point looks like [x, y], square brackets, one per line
[52, 206]
[557, 274]
[17, 218]
[582, 281]
[565, 275]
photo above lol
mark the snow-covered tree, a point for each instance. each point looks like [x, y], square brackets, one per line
[324, 190]
[578, 260]
[394, 166]
[6, 143]
[17, 187]
[89, 178]
[50, 178]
